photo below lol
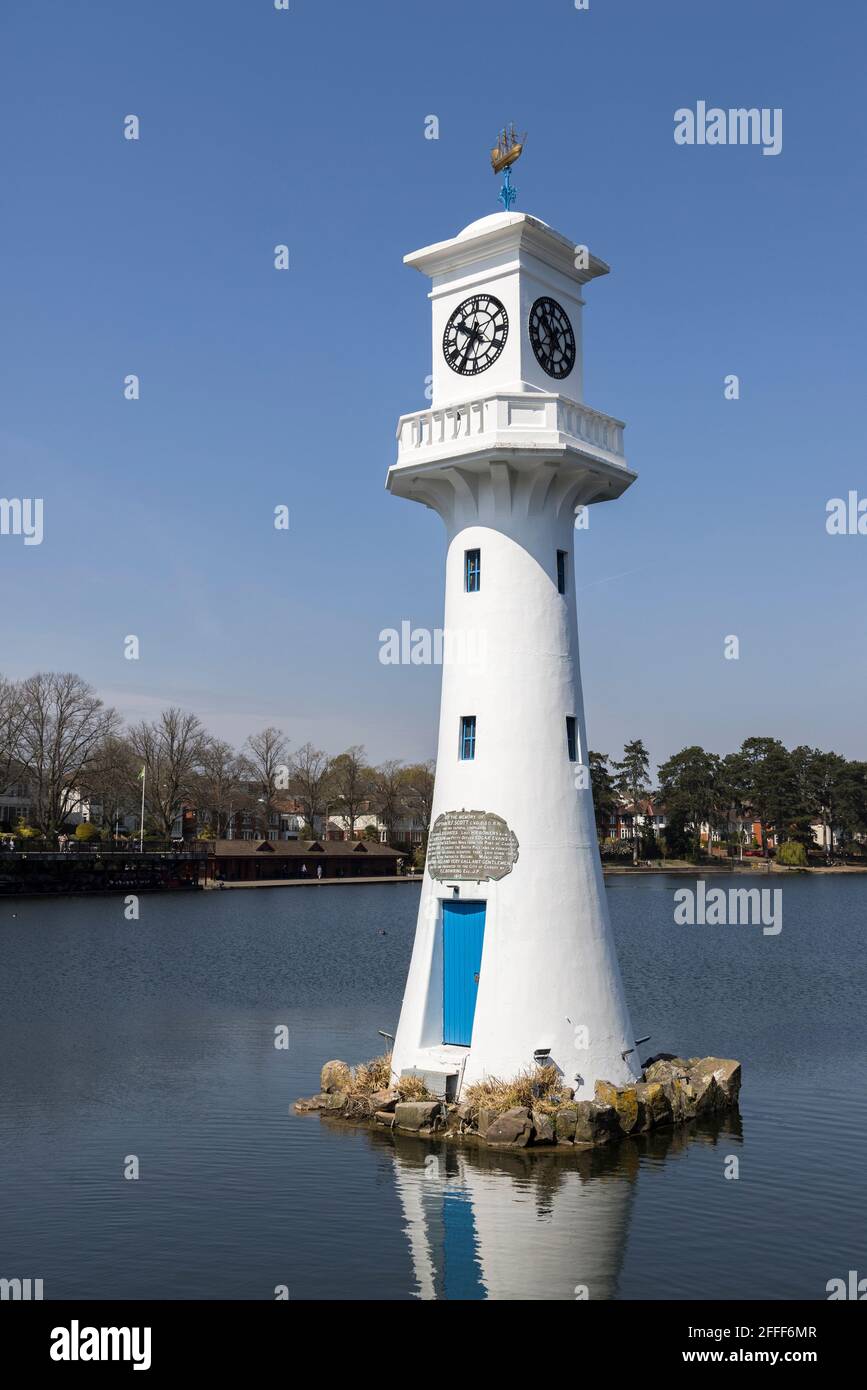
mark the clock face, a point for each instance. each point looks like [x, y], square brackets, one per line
[475, 334]
[552, 337]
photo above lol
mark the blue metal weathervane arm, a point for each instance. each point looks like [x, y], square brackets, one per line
[507, 193]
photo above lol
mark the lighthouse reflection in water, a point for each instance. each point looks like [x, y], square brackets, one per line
[485, 1224]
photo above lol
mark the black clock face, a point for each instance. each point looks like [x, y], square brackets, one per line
[552, 338]
[475, 334]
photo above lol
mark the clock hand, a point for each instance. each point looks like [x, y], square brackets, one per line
[471, 338]
[484, 334]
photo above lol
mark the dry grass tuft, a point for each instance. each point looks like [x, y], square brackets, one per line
[413, 1088]
[537, 1088]
[376, 1075]
[371, 1076]
[357, 1106]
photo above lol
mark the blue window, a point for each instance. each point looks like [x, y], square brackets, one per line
[472, 571]
[571, 741]
[467, 749]
[561, 571]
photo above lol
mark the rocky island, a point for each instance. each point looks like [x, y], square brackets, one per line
[534, 1109]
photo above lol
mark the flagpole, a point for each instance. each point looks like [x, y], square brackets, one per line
[141, 825]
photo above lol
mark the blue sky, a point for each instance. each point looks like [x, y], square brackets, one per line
[262, 387]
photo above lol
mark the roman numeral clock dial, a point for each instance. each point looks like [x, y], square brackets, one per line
[475, 334]
[552, 337]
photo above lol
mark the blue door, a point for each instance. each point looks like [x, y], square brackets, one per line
[463, 934]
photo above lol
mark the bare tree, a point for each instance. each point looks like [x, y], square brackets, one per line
[309, 773]
[63, 726]
[12, 716]
[388, 792]
[170, 749]
[110, 781]
[418, 788]
[352, 784]
[265, 754]
[218, 785]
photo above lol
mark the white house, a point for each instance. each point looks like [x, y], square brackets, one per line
[15, 803]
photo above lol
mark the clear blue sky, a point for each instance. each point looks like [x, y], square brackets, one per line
[261, 387]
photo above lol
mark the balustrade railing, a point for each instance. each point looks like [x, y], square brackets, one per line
[429, 429]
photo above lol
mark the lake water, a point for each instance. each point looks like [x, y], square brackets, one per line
[156, 1039]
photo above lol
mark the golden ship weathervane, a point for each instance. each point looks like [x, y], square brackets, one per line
[508, 148]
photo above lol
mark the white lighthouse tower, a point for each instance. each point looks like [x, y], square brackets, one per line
[513, 959]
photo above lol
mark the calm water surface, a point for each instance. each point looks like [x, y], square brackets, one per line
[156, 1038]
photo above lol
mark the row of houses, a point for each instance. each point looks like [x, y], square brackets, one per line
[16, 806]
[287, 822]
[627, 820]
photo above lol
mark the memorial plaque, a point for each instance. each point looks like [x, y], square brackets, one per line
[474, 845]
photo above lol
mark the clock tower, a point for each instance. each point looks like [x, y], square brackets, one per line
[513, 962]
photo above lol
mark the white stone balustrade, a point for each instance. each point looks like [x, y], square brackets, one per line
[503, 419]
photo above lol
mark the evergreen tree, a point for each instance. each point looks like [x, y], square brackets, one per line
[603, 791]
[692, 789]
[763, 775]
[631, 776]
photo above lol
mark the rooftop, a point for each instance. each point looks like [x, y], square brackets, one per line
[298, 849]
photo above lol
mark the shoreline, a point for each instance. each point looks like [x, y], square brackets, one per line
[695, 871]
[759, 867]
[213, 886]
[755, 866]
